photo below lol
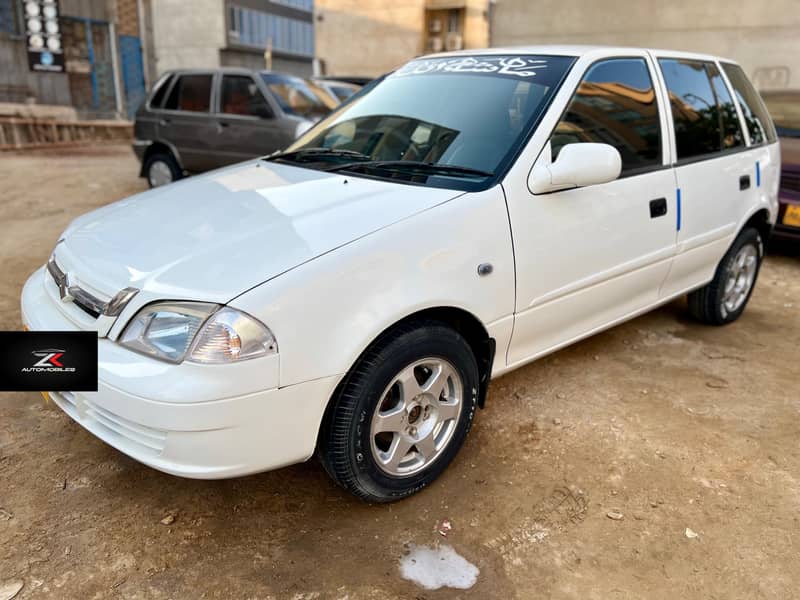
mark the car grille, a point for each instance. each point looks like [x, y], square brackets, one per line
[790, 180]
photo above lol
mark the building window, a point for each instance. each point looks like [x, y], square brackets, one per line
[257, 28]
[9, 23]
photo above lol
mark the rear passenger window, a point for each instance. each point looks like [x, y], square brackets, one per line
[759, 124]
[705, 117]
[158, 97]
[615, 104]
[190, 93]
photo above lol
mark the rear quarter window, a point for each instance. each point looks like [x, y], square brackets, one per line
[161, 91]
[759, 123]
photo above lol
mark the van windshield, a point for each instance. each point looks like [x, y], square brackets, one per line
[446, 122]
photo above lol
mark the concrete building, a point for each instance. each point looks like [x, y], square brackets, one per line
[214, 33]
[369, 37]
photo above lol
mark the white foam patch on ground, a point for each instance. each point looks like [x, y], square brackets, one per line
[434, 568]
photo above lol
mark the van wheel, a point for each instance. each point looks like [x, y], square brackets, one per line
[402, 413]
[161, 169]
[724, 299]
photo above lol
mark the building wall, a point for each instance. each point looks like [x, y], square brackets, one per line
[763, 36]
[368, 37]
[184, 37]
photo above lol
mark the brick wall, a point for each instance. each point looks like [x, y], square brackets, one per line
[127, 18]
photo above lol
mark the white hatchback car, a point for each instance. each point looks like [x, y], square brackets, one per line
[464, 216]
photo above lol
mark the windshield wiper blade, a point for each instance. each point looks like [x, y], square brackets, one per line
[413, 165]
[321, 152]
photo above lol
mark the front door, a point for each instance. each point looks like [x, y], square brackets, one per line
[589, 257]
[246, 126]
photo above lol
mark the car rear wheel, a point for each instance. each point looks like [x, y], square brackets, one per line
[725, 298]
[161, 169]
[402, 413]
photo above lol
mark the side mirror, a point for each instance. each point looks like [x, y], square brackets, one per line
[577, 165]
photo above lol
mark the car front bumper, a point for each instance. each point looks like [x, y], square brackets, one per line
[216, 438]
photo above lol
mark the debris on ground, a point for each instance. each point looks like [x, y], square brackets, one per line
[444, 527]
[691, 534]
[169, 519]
[615, 515]
[6, 515]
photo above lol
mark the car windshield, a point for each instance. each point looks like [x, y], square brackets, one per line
[299, 97]
[785, 112]
[443, 122]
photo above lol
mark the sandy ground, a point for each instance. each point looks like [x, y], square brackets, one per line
[664, 422]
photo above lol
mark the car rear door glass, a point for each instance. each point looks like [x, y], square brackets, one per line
[240, 96]
[756, 117]
[615, 104]
[190, 93]
[704, 116]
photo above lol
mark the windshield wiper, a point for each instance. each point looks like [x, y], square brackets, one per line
[413, 166]
[310, 154]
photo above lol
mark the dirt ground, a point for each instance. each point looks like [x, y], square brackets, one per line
[669, 423]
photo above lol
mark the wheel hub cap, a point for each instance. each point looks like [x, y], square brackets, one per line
[741, 276]
[416, 417]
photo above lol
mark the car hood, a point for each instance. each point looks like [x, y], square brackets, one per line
[214, 236]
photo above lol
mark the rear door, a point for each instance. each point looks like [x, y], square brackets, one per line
[186, 120]
[715, 177]
[246, 125]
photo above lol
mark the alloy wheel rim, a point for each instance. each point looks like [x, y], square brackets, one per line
[416, 417]
[160, 174]
[741, 275]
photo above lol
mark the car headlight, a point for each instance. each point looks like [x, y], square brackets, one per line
[197, 332]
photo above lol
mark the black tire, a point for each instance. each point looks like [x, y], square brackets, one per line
[706, 304]
[345, 444]
[161, 158]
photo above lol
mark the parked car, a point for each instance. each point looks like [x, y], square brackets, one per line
[198, 120]
[353, 295]
[341, 90]
[784, 106]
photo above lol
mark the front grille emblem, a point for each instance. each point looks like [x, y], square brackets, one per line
[70, 291]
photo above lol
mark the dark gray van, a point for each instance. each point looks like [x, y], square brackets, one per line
[197, 120]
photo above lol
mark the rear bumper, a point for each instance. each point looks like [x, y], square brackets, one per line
[198, 421]
[140, 147]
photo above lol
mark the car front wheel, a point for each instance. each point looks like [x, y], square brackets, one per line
[402, 413]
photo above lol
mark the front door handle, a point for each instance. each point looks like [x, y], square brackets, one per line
[221, 125]
[164, 122]
[658, 208]
[744, 182]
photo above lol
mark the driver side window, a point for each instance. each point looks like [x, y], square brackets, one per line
[240, 96]
[615, 104]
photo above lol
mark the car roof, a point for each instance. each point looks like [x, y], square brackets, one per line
[232, 71]
[576, 50]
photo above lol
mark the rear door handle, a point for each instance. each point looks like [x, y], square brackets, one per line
[658, 208]
[744, 182]
[164, 122]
